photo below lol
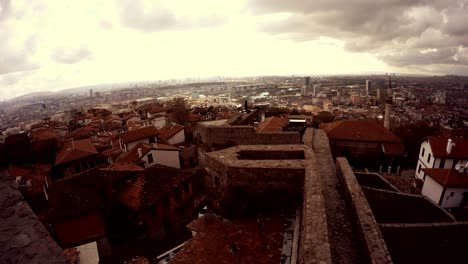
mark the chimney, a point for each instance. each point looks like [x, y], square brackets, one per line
[140, 152]
[450, 145]
[388, 110]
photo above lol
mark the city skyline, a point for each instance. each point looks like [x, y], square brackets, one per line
[58, 45]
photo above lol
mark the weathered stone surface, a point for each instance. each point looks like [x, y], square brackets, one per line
[373, 239]
[219, 137]
[23, 239]
[344, 237]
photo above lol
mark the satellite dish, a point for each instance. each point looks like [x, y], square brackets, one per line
[458, 166]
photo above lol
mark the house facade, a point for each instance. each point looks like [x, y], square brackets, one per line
[441, 152]
[173, 134]
[161, 200]
[130, 139]
[76, 157]
[148, 155]
[446, 187]
[364, 143]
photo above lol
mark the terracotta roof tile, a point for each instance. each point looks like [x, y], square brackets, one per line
[151, 185]
[439, 147]
[158, 109]
[138, 134]
[82, 192]
[165, 147]
[75, 150]
[42, 134]
[128, 116]
[219, 240]
[32, 178]
[448, 177]
[132, 155]
[393, 148]
[359, 130]
[272, 124]
[168, 131]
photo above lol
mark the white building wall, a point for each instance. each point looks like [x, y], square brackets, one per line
[134, 119]
[422, 160]
[145, 159]
[453, 200]
[130, 145]
[88, 253]
[167, 157]
[432, 190]
[177, 138]
[159, 121]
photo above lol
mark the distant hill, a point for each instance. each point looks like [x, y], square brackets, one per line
[33, 95]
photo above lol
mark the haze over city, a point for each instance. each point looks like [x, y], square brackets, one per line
[54, 45]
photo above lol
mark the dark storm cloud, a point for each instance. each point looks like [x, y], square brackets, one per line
[394, 30]
[155, 17]
[69, 55]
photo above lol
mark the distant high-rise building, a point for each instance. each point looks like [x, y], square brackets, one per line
[306, 86]
[368, 87]
[91, 93]
[381, 95]
[388, 104]
[316, 88]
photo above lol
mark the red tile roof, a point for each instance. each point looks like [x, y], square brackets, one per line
[81, 193]
[75, 150]
[169, 131]
[132, 155]
[439, 147]
[165, 147]
[219, 240]
[359, 130]
[393, 148]
[128, 116]
[32, 177]
[272, 124]
[138, 134]
[123, 167]
[448, 177]
[42, 134]
[113, 153]
[151, 185]
[158, 109]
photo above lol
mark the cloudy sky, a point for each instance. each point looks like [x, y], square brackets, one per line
[53, 45]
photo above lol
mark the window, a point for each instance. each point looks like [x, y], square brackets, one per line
[451, 194]
[419, 169]
[423, 150]
[216, 180]
[442, 163]
[152, 140]
[150, 158]
[429, 158]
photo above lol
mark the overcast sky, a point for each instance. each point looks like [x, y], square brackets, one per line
[53, 45]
